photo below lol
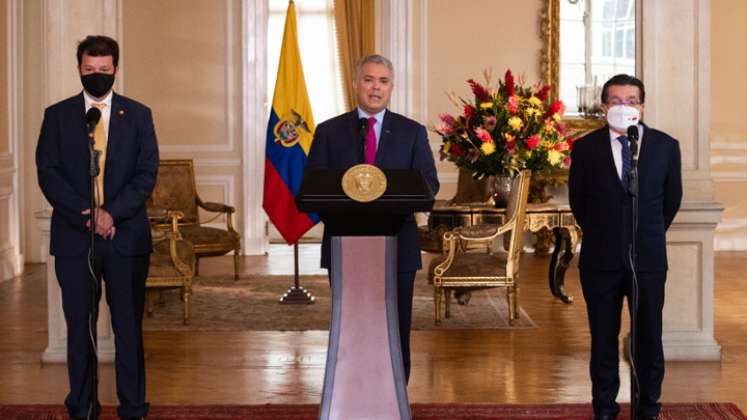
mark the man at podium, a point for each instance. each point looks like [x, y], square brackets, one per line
[374, 135]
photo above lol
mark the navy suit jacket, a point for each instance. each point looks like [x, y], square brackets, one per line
[403, 144]
[602, 206]
[62, 161]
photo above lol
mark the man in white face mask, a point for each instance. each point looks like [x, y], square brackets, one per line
[600, 198]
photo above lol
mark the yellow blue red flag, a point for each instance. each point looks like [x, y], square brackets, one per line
[290, 132]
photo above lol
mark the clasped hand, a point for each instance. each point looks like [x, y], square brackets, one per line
[104, 223]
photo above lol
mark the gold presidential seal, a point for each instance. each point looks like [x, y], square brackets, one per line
[364, 183]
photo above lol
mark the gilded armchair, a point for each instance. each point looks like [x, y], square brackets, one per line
[473, 259]
[176, 190]
[172, 262]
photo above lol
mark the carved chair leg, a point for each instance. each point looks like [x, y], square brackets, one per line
[511, 293]
[187, 292]
[437, 304]
[236, 263]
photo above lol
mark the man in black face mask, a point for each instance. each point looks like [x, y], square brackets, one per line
[129, 163]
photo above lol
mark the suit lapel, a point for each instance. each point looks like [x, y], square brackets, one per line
[116, 119]
[77, 118]
[354, 138]
[385, 139]
[644, 154]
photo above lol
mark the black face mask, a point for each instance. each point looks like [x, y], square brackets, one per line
[97, 84]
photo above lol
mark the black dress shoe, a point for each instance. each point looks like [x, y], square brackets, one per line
[605, 417]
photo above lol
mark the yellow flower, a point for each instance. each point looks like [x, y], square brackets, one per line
[515, 123]
[534, 112]
[447, 146]
[509, 137]
[556, 117]
[535, 101]
[554, 157]
[486, 105]
[488, 148]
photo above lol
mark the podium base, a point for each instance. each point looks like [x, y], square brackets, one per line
[297, 296]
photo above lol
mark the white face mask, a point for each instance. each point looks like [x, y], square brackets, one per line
[620, 117]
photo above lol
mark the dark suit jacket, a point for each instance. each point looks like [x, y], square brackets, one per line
[62, 161]
[602, 207]
[403, 144]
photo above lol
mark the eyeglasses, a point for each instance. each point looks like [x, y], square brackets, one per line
[629, 102]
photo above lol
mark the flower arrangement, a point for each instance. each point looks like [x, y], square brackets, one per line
[506, 129]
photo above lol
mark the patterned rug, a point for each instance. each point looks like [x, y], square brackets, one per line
[220, 303]
[673, 411]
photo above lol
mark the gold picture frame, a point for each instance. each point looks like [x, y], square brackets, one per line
[550, 64]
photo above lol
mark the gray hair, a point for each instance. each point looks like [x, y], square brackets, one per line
[372, 58]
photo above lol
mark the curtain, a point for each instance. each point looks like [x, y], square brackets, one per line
[354, 24]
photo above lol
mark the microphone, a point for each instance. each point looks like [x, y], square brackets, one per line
[92, 118]
[363, 133]
[633, 138]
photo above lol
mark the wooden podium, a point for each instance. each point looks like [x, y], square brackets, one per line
[364, 376]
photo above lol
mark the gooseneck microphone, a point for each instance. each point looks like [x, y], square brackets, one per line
[92, 118]
[363, 133]
[633, 138]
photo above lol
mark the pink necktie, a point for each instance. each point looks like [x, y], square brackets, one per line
[371, 142]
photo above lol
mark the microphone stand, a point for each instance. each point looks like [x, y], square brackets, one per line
[93, 411]
[363, 133]
[633, 258]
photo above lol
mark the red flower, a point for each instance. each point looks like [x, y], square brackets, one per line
[456, 150]
[510, 146]
[556, 107]
[510, 88]
[480, 92]
[542, 94]
[532, 142]
[469, 112]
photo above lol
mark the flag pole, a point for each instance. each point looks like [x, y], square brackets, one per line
[297, 295]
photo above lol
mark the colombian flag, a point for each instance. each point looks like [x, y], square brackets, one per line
[290, 132]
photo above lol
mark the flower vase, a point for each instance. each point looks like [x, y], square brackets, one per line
[500, 190]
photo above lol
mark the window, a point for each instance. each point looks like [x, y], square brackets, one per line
[597, 41]
[318, 45]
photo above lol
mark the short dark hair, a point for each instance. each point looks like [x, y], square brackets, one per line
[623, 80]
[98, 46]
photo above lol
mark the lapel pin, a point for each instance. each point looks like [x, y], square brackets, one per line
[121, 112]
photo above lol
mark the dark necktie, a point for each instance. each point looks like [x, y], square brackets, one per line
[371, 142]
[626, 158]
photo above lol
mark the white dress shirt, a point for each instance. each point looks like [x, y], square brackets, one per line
[105, 113]
[617, 148]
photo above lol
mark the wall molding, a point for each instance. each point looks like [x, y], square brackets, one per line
[228, 182]
[731, 234]
[217, 163]
[735, 145]
[230, 86]
[253, 123]
[11, 163]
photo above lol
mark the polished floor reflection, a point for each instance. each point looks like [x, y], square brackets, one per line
[539, 365]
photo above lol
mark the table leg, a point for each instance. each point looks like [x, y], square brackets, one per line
[565, 241]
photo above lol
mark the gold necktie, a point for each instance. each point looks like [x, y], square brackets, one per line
[100, 140]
